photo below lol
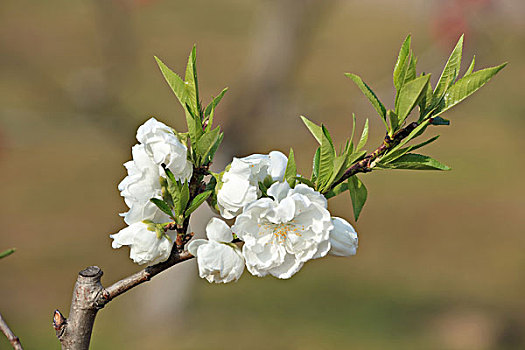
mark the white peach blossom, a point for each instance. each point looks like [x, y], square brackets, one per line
[343, 238]
[283, 232]
[219, 260]
[240, 183]
[145, 246]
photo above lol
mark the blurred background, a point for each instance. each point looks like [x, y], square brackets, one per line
[441, 262]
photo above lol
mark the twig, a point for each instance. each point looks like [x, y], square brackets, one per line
[367, 163]
[13, 339]
[140, 277]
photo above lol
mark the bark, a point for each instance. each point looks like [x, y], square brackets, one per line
[13, 339]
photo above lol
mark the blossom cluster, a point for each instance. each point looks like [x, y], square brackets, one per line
[281, 226]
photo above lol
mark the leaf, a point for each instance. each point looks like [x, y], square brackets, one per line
[337, 190]
[315, 129]
[414, 161]
[358, 193]
[205, 144]
[7, 252]
[412, 135]
[353, 132]
[194, 125]
[326, 160]
[169, 174]
[399, 68]
[291, 170]
[411, 69]
[315, 165]
[394, 121]
[425, 101]
[196, 202]
[305, 181]
[409, 96]
[163, 206]
[354, 157]
[364, 137]
[208, 112]
[470, 68]
[212, 151]
[466, 86]
[184, 198]
[392, 155]
[440, 121]
[450, 72]
[192, 83]
[338, 169]
[367, 91]
[175, 82]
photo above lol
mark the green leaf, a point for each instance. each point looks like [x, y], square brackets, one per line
[409, 96]
[315, 165]
[7, 253]
[291, 170]
[392, 155]
[412, 135]
[351, 141]
[210, 109]
[470, 68]
[163, 206]
[394, 121]
[358, 193]
[326, 160]
[192, 83]
[184, 198]
[315, 129]
[337, 190]
[196, 202]
[414, 161]
[305, 181]
[175, 82]
[450, 72]
[425, 102]
[169, 174]
[466, 86]
[206, 143]
[212, 151]
[399, 68]
[411, 71]
[367, 91]
[338, 169]
[364, 137]
[355, 157]
[440, 121]
[194, 125]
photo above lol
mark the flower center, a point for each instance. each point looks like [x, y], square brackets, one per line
[281, 231]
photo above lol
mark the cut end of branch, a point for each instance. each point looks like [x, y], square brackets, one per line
[91, 272]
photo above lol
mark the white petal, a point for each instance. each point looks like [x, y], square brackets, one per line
[194, 245]
[343, 238]
[278, 163]
[218, 230]
[311, 194]
[279, 190]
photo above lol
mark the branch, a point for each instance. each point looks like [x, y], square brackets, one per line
[89, 296]
[13, 339]
[367, 163]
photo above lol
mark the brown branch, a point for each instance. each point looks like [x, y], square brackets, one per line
[140, 277]
[13, 339]
[89, 296]
[366, 164]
